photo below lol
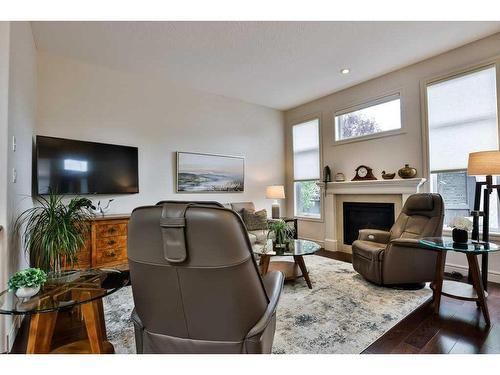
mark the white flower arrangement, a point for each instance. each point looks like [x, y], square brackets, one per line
[462, 223]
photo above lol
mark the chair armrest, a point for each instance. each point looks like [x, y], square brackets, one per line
[138, 332]
[406, 242]
[135, 318]
[406, 261]
[273, 284]
[374, 235]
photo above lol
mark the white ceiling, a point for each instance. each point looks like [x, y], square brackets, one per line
[275, 64]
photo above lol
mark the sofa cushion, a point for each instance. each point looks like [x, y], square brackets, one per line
[260, 235]
[255, 220]
[239, 206]
[253, 238]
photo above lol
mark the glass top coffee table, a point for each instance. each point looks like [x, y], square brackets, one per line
[292, 269]
[73, 288]
[455, 289]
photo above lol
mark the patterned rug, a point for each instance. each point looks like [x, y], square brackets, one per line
[342, 314]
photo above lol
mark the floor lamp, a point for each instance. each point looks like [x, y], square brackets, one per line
[484, 163]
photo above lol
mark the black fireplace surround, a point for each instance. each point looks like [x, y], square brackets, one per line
[366, 215]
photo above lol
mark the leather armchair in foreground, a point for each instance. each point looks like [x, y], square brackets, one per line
[195, 283]
[395, 257]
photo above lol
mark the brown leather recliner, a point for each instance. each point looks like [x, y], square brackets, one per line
[395, 257]
[195, 283]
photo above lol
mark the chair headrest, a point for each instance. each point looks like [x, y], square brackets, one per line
[420, 202]
[173, 225]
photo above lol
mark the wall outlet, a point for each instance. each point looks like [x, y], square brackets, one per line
[14, 175]
[14, 143]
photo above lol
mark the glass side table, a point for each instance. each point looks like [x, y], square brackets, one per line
[292, 270]
[73, 288]
[454, 289]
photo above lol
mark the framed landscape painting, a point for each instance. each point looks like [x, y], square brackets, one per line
[209, 173]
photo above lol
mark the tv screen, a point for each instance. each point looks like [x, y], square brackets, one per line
[68, 166]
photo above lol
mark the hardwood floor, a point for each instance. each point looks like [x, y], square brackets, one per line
[459, 328]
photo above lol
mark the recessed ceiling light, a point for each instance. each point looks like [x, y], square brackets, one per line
[345, 71]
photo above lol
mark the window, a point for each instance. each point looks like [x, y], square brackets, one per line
[462, 118]
[306, 161]
[378, 116]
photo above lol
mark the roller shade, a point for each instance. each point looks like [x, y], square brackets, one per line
[306, 151]
[462, 116]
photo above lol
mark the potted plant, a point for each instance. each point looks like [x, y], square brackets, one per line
[27, 282]
[53, 232]
[461, 228]
[281, 231]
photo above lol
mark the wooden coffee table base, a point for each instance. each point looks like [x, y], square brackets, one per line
[42, 327]
[291, 269]
[457, 290]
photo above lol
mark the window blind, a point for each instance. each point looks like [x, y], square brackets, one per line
[306, 151]
[462, 116]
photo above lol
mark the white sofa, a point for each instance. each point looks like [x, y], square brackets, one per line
[255, 236]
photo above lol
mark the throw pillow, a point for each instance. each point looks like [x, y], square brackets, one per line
[255, 220]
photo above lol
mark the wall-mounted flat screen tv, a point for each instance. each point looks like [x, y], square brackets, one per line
[67, 166]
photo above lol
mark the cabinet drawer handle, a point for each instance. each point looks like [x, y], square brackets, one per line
[112, 230]
[111, 242]
[110, 253]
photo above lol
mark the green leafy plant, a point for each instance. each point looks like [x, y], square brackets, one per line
[53, 231]
[30, 277]
[282, 231]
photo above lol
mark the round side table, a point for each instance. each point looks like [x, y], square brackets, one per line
[292, 270]
[455, 289]
[84, 288]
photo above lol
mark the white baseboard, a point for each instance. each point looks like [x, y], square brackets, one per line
[493, 276]
[12, 333]
[330, 244]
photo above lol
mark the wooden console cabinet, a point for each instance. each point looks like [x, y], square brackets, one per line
[107, 243]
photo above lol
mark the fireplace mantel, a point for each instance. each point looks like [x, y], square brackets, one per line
[396, 186]
[335, 191]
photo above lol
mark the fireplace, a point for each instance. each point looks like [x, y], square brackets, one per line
[363, 215]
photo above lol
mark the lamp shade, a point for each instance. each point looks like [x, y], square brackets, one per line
[275, 192]
[484, 163]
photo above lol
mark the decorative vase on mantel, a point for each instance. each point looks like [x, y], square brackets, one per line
[407, 172]
[460, 236]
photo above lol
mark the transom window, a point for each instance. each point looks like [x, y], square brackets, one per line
[462, 118]
[376, 117]
[306, 170]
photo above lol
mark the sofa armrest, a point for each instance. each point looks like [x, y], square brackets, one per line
[374, 235]
[273, 284]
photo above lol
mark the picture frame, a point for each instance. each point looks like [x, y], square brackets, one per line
[209, 173]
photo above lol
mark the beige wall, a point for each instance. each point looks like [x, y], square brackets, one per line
[20, 115]
[82, 101]
[391, 152]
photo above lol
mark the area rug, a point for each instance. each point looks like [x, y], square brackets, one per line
[343, 313]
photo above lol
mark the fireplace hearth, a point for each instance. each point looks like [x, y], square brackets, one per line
[366, 215]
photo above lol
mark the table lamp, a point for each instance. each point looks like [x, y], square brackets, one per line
[483, 163]
[275, 192]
